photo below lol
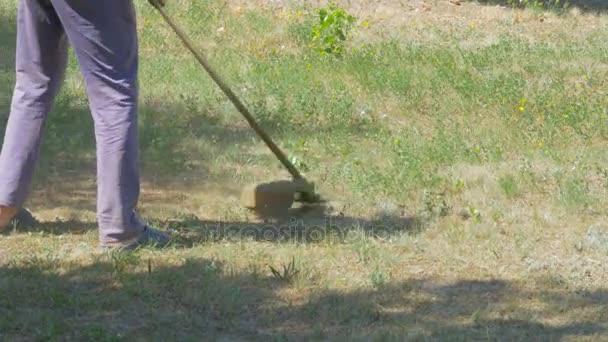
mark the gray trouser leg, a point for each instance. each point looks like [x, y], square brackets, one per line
[104, 38]
[41, 60]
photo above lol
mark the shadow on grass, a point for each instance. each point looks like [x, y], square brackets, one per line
[123, 297]
[307, 224]
[598, 6]
[312, 224]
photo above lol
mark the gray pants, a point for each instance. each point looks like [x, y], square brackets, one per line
[104, 38]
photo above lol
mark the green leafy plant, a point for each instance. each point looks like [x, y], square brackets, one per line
[475, 214]
[330, 34]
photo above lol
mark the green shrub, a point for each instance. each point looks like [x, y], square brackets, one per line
[330, 34]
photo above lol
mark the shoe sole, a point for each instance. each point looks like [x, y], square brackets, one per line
[142, 241]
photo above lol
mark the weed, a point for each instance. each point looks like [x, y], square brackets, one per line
[121, 262]
[496, 216]
[299, 164]
[378, 279]
[435, 205]
[288, 273]
[330, 34]
[212, 268]
[574, 192]
[475, 214]
[459, 186]
[509, 186]
[364, 248]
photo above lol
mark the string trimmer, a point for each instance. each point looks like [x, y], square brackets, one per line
[267, 197]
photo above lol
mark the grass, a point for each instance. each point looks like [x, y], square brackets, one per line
[462, 148]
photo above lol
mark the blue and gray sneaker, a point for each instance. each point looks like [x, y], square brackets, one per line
[149, 237]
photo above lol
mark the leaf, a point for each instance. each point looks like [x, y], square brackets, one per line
[322, 14]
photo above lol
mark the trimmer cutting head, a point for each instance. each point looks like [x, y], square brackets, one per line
[275, 198]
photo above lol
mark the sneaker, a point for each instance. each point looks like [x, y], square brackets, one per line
[149, 237]
[23, 218]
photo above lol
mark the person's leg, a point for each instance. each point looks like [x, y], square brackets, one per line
[41, 58]
[104, 37]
